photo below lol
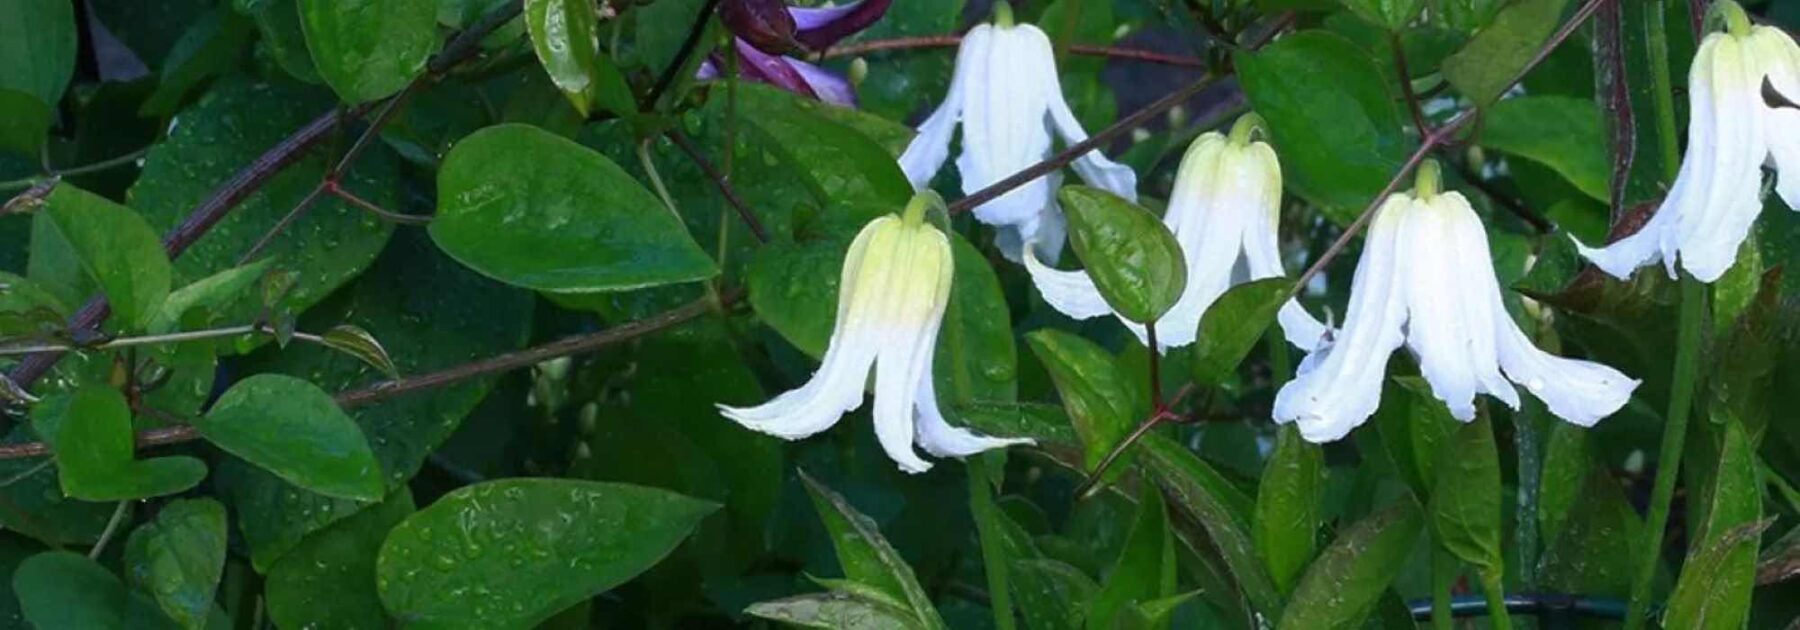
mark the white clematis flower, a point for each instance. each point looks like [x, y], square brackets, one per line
[891, 299]
[1224, 210]
[1426, 280]
[1717, 193]
[1006, 94]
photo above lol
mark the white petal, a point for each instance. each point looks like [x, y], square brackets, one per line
[1209, 208]
[1622, 257]
[1479, 297]
[1003, 123]
[915, 308]
[1581, 392]
[1093, 166]
[1262, 247]
[941, 439]
[1781, 60]
[1709, 238]
[1052, 229]
[1437, 330]
[928, 150]
[1071, 293]
[1344, 389]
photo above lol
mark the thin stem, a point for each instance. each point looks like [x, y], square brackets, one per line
[34, 469]
[1406, 87]
[338, 191]
[127, 342]
[27, 182]
[951, 41]
[1156, 399]
[681, 56]
[382, 116]
[656, 182]
[287, 220]
[1668, 462]
[1443, 567]
[112, 527]
[1157, 417]
[725, 189]
[1491, 586]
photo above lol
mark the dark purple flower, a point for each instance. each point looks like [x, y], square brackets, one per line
[816, 29]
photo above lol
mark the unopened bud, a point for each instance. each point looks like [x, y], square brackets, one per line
[859, 70]
[765, 24]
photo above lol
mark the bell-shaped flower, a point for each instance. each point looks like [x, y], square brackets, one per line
[1006, 95]
[1223, 211]
[1426, 280]
[813, 28]
[891, 298]
[1731, 134]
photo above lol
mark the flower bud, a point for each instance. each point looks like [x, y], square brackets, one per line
[765, 24]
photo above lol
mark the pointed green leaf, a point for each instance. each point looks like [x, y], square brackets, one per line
[1288, 499]
[1720, 572]
[1134, 260]
[866, 556]
[328, 580]
[370, 49]
[1223, 510]
[294, 429]
[1233, 324]
[1351, 574]
[1465, 497]
[1484, 68]
[1145, 569]
[37, 48]
[562, 33]
[1094, 391]
[180, 557]
[834, 611]
[352, 340]
[90, 432]
[116, 248]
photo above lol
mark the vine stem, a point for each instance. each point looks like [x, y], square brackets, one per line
[1674, 440]
[951, 41]
[147, 340]
[28, 182]
[719, 179]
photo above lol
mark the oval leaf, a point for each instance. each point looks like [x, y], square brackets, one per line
[328, 580]
[1560, 132]
[562, 33]
[532, 209]
[514, 552]
[369, 49]
[1354, 571]
[116, 248]
[1287, 507]
[1134, 260]
[180, 557]
[294, 429]
[1231, 326]
[867, 558]
[1465, 496]
[1094, 391]
[90, 432]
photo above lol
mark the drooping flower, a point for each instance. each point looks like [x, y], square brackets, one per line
[1224, 210]
[891, 299]
[1426, 280]
[1731, 134]
[1006, 95]
[760, 49]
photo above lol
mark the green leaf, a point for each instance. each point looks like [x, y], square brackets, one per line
[1288, 498]
[37, 48]
[180, 557]
[1337, 132]
[1392, 15]
[208, 295]
[834, 611]
[28, 310]
[1593, 549]
[278, 24]
[211, 46]
[35, 507]
[994, 534]
[1465, 496]
[1233, 324]
[531, 209]
[1484, 68]
[511, 553]
[976, 358]
[1053, 595]
[1343, 585]
[328, 580]
[369, 50]
[1048, 424]
[1094, 391]
[90, 433]
[562, 33]
[1567, 462]
[843, 165]
[61, 590]
[908, 83]
[295, 430]
[866, 556]
[1557, 131]
[1145, 570]
[661, 28]
[1720, 572]
[116, 248]
[352, 340]
[24, 122]
[1135, 261]
[1220, 508]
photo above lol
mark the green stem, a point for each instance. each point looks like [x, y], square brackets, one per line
[1491, 586]
[992, 536]
[27, 182]
[1443, 573]
[1668, 462]
[1662, 86]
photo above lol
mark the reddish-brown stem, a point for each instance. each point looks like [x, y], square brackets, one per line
[950, 41]
[337, 190]
[725, 189]
[1161, 414]
[1406, 88]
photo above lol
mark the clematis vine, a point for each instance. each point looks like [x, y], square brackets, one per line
[1224, 211]
[891, 299]
[1718, 191]
[1426, 280]
[765, 31]
[1008, 100]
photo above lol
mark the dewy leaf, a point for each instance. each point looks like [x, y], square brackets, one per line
[90, 433]
[511, 553]
[210, 293]
[353, 340]
[295, 430]
[370, 49]
[834, 611]
[866, 556]
[1484, 68]
[1145, 570]
[1354, 571]
[116, 248]
[1233, 324]
[843, 165]
[37, 48]
[1220, 508]
[562, 33]
[1094, 391]
[1465, 496]
[180, 557]
[1720, 572]
[1392, 15]
[976, 357]
[328, 580]
[61, 590]
[1288, 498]
[529, 208]
[1135, 261]
[1332, 117]
[1560, 132]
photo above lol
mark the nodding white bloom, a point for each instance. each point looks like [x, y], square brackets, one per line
[1006, 94]
[1224, 209]
[1731, 134]
[891, 299]
[1426, 280]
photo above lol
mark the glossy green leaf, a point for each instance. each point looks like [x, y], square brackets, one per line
[1232, 326]
[61, 590]
[1392, 15]
[1134, 260]
[210, 47]
[511, 553]
[1094, 391]
[295, 430]
[866, 556]
[115, 248]
[180, 557]
[207, 295]
[371, 49]
[1286, 527]
[1221, 509]
[1352, 573]
[328, 580]
[278, 24]
[1567, 461]
[352, 340]
[37, 48]
[1337, 132]
[1485, 67]
[1593, 548]
[841, 164]
[1562, 133]
[90, 432]
[1052, 595]
[976, 358]
[833, 611]
[1048, 424]
[908, 83]
[531, 209]
[1145, 569]
[1720, 572]
[563, 34]
[1465, 497]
